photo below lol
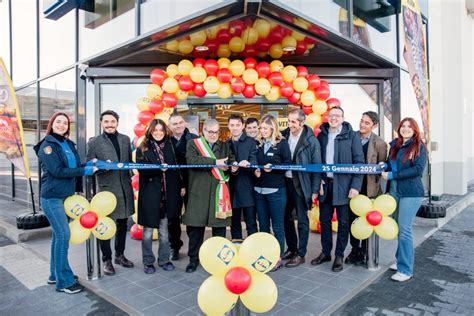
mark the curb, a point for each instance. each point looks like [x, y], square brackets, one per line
[19, 235]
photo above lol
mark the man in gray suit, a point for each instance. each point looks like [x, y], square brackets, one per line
[116, 147]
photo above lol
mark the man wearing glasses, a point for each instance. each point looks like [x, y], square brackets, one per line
[202, 210]
[339, 145]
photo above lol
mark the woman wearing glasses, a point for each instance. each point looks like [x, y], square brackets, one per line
[270, 185]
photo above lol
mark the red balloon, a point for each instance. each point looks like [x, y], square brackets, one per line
[199, 90]
[224, 75]
[324, 83]
[322, 93]
[169, 99]
[212, 45]
[249, 91]
[294, 98]
[199, 54]
[263, 69]
[263, 45]
[156, 106]
[237, 280]
[286, 89]
[334, 216]
[313, 82]
[237, 84]
[332, 102]
[302, 71]
[288, 18]
[136, 232]
[250, 63]
[324, 117]
[157, 76]
[223, 36]
[319, 227]
[276, 78]
[211, 67]
[276, 35]
[374, 218]
[89, 219]
[316, 131]
[199, 62]
[145, 117]
[236, 27]
[185, 83]
[306, 109]
[139, 130]
[135, 181]
[301, 48]
[249, 51]
[309, 40]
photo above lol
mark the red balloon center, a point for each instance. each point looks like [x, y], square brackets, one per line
[89, 219]
[238, 280]
[374, 218]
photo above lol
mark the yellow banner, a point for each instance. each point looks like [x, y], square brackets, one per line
[12, 141]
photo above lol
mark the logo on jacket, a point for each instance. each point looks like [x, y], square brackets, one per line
[226, 254]
[48, 150]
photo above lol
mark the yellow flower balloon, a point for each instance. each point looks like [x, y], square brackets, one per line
[78, 234]
[217, 255]
[105, 228]
[262, 294]
[387, 229]
[360, 229]
[213, 297]
[360, 205]
[259, 253]
[76, 205]
[104, 203]
[386, 204]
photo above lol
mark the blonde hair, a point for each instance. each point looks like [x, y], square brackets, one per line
[276, 136]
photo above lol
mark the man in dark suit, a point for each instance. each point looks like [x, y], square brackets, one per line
[244, 149]
[116, 147]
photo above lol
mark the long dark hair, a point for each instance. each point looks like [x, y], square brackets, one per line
[413, 150]
[145, 144]
[49, 129]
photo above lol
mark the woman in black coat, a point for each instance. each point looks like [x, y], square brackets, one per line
[160, 193]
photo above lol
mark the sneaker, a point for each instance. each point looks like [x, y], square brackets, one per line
[73, 289]
[400, 277]
[149, 269]
[278, 266]
[167, 266]
[393, 267]
[51, 282]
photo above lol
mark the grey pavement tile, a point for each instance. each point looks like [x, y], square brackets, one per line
[273, 311]
[301, 285]
[143, 300]
[357, 273]
[174, 289]
[126, 291]
[193, 280]
[164, 308]
[286, 311]
[344, 283]
[188, 312]
[153, 281]
[287, 296]
[316, 276]
[329, 293]
[310, 304]
[187, 299]
[109, 282]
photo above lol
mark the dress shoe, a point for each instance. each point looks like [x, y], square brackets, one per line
[294, 262]
[109, 268]
[288, 255]
[174, 254]
[352, 257]
[278, 266]
[124, 262]
[191, 267]
[167, 266]
[320, 259]
[338, 264]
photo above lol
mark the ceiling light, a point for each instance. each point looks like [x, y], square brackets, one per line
[289, 49]
[202, 48]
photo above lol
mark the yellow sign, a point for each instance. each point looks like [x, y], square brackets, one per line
[282, 123]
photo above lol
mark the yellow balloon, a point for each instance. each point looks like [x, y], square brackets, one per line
[78, 234]
[181, 95]
[314, 213]
[360, 229]
[135, 204]
[185, 47]
[184, 67]
[250, 36]
[319, 107]
[135, 217]
[297, 36]
[250, 76]
[172, 46]
[276, 51]
[172, 70]
[386, 204]
[236, 44]
[360, 205]
[288, 42]
[273, 94]
[313, 119]
[142, 103]
[217, 255]
[387, 229]
[105, 228]
[164, 116]
[262, 86]
[259, 253]
[276, 65]
[225, 91]
[155, 234]
[198, 74]
[198, 38]
[313, 226]
[211, 84]
[262, 54]
[262, 294]
[263, 28]
[170, 85]
[308, 97]
[289, 73]
[134, 155]
[223, 62]
[76, 205]
[103, 203]
[223, 51]
[153, 91]
[300, 84]
[237, 68]
[334, 226]
[214, 298]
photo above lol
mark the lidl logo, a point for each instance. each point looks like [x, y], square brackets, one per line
[226, 254]
[261, 264]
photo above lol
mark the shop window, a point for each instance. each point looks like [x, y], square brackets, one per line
[5, 34]
[99, 12]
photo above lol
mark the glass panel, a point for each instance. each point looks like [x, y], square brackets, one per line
[387, 106]
[58, 94]
[5, 34]
[223, 111]
[57, 42]
[24, 42]
[203, 112]
[111, 16]
[409, 106]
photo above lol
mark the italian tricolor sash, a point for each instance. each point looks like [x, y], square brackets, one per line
[223, 207]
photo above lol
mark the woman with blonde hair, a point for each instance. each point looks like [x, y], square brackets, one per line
[270, 185]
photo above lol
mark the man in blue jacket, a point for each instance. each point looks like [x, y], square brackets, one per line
[339, 145]
[301, 187]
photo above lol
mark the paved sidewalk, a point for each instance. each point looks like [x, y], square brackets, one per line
[443, 282]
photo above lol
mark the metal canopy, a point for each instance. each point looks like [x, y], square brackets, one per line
[281, 34]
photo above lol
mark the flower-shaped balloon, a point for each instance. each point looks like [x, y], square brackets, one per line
[238, 272]
[91, 217]
[374, 216]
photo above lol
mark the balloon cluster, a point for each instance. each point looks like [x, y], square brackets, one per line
[315, 224]
[91, 217]
[238, 272]
[374, 216]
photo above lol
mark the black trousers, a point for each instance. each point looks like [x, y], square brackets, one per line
[120, 237]
[196, 238]
[174, 233]
[357, 245]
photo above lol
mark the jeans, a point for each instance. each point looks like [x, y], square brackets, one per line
[296, 202]
[163, 244]
[272, 207]
[59, 264]
[196, 238]
[250, 218]
[120, 237]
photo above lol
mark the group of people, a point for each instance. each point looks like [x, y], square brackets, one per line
[269, 199]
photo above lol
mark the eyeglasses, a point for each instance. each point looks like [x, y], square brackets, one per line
[210, 132]
[335, 116]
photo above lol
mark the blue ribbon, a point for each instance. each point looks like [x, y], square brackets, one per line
[334, 168]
